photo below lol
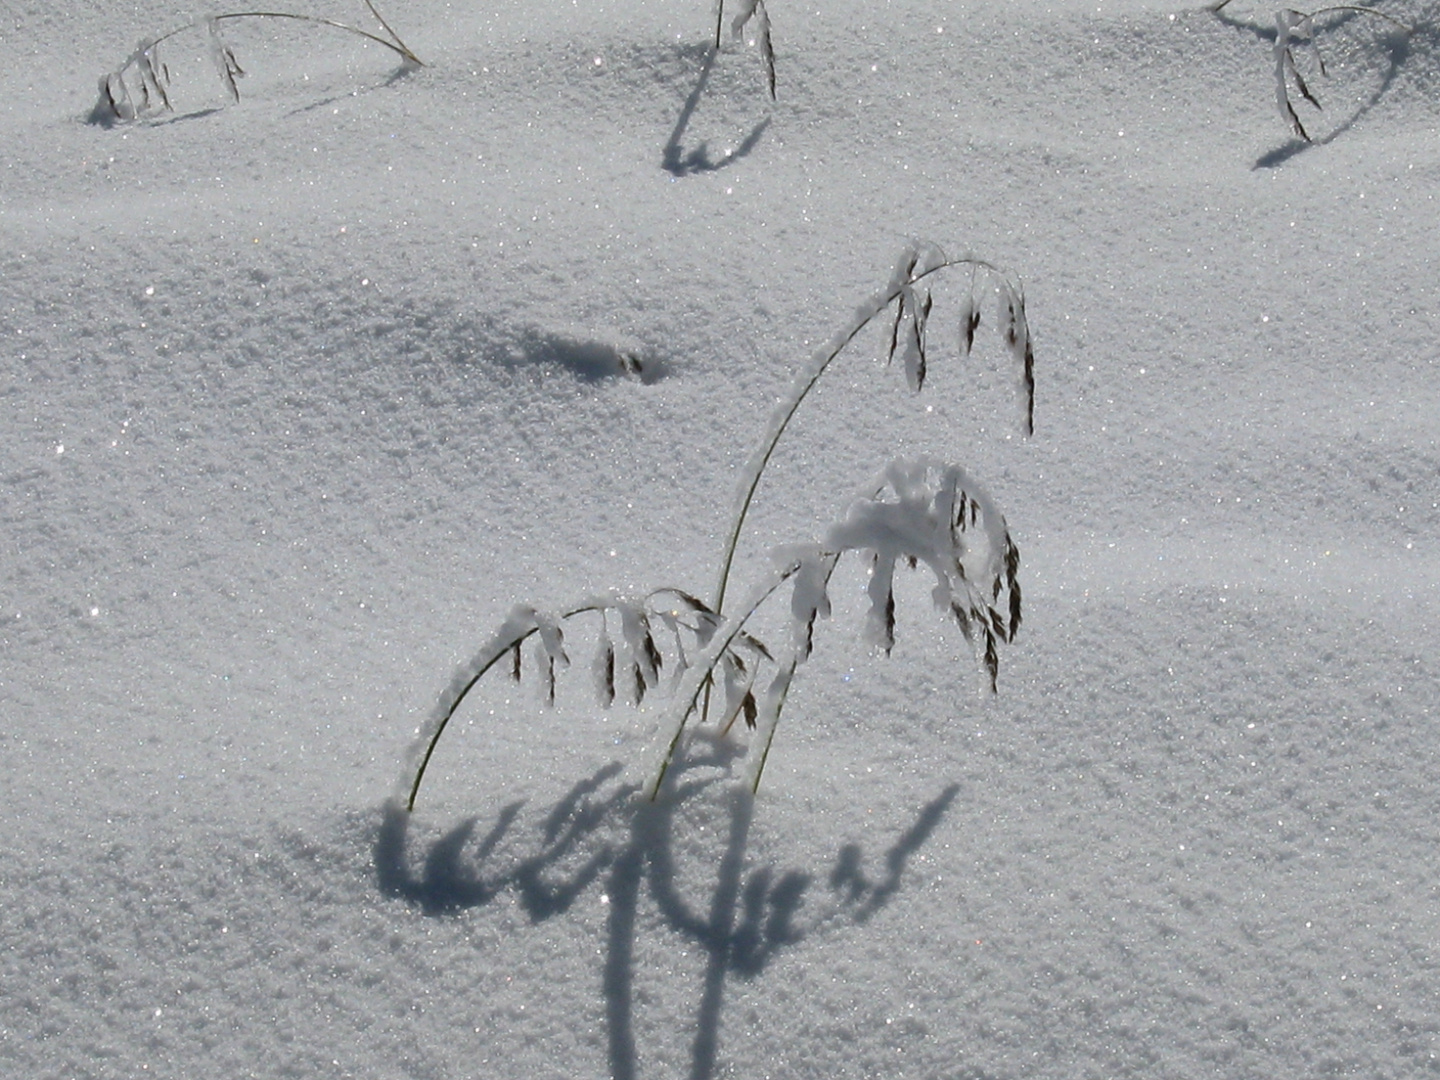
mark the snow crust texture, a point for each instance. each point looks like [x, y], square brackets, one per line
[300, 396]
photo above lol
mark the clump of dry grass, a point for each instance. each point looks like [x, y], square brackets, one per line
[917, 513]
[141, 85]
[1295, 30]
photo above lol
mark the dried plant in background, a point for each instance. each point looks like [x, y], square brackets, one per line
[141, 85]
[750, 9]
[920, 512]
[1297, 30]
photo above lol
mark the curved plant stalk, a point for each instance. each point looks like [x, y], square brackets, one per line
[911, 318]
[521, 625]
[117, 103]
[1297, 28]
[640, 659]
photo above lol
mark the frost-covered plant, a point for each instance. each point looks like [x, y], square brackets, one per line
[634, 666]
[935, 515]
[750, 9]
[920, 512]
[1296, 31]
[908, 294]
[141, 85]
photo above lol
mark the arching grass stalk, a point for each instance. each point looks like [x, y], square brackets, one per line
[119, 102]
[1297, 28]
[912, 311]
[638, 661]
[523, 623]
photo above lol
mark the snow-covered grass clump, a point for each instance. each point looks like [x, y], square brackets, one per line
[932, 515]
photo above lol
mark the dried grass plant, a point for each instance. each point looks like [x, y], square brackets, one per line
[1298, 30]
[140, 86]
[748, 10]
[916, 513]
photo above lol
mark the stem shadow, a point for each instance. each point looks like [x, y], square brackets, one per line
[678, 161]
[608, 834]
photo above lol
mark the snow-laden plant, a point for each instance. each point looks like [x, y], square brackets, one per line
[633, 665]
[141, 85]
[918, 513]
[1296, 31]
[908, 294]
[924, 512]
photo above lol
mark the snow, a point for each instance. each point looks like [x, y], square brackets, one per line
[303, 394]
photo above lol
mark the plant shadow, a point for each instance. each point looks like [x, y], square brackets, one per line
[402, 71]
[677, 160]
[604, 833]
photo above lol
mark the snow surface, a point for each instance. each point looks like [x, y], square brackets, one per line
[301, 395]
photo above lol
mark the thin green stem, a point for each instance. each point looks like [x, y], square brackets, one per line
[705, 670]
[774, 723]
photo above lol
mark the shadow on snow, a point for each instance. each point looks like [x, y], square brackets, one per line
[678, 161]
[593, 834]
